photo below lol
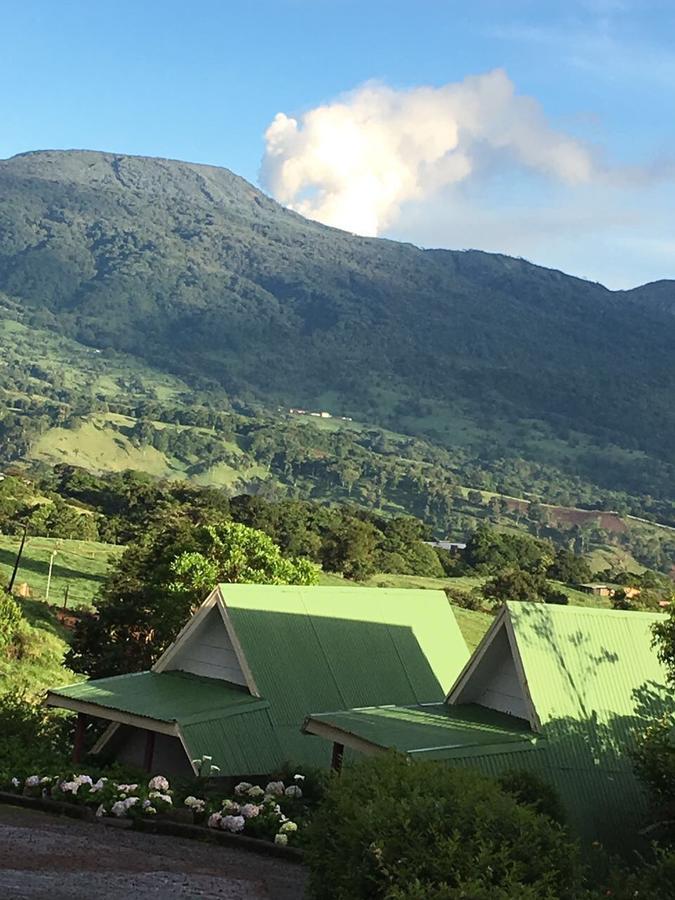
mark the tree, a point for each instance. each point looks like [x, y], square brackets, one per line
[231, 552]
[158, 582]
[517, 584]
[569, 567]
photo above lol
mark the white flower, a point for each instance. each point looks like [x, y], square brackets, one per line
[130, 801]
[158, 783]
[288, 828]
[32, 781]
[98, 786]
[195, 804]
[293, 791]
[127, 788]
[215, 770]
[255, 791]
[275, 788]
[119, 809]
[281, 839]
[101, 811]
[214, 820]
[233, 823]
[150, 810]
[46, 780]
[250, 810]
[82, 779]
[16, 783]
[298, 778]
[242, 788]
[157, 795]
[229, 806]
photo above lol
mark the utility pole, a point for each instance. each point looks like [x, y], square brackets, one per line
[10, 586]
[49, 575]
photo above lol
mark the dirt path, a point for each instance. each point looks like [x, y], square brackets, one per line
[52, 858]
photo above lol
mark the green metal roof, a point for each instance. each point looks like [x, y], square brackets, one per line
[584, 664]
[433, 731]
[163, 696]
[322, 648]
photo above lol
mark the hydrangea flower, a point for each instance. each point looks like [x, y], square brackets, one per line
[281, 839]
[250, 810]
[298, 777]
[195, 804]
[101, 811]
[16, 783]
[158, 783]
[293, 791]
[288, 828]
[214, 820]
[157, 795]
[242, 788]
[230, 807]
[127, 788]
[118, 809]
[32, 781]
[255, 791]
[275, 788]
[233, 823]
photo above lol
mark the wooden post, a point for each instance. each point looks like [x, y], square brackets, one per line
[79, 737]
[149, 750]
[336, 759]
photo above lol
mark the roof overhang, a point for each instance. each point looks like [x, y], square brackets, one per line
[333, 727]
[112, 715]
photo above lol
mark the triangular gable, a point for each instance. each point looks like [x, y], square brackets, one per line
[588, 664]
[494, 678]
[208, 646]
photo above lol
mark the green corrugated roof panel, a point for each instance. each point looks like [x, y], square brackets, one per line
[589, 665]
[321, 648]
[239, 744]
[164, 696]
[434, 730]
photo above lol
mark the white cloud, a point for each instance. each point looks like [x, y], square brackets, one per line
[352, 163]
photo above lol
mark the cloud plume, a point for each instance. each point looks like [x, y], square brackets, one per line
[352, 163]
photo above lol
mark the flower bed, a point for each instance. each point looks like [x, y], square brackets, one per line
[275, 812]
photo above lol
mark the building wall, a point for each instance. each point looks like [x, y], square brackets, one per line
[169, 757]
[209, 652]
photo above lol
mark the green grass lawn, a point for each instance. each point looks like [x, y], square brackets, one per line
[79, 566]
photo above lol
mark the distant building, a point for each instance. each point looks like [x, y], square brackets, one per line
[598, 590]
[452, 546]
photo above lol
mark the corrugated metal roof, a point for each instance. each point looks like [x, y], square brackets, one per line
[165, 696]
[322, 648]
[587, 664]
[239, 744]
[435, 730]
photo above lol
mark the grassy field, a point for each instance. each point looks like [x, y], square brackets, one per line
[79, 566]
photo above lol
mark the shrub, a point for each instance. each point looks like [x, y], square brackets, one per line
[32, 737]
[390, 829]
[530, 790]
[10, 617]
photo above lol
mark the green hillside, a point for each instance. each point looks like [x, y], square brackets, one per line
[193, 272]
[79, 567]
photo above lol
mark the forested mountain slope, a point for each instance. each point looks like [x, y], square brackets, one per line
[192, 270]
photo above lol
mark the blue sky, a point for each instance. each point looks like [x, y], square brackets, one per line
[203, 82]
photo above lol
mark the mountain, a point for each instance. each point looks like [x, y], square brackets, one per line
[195, 272]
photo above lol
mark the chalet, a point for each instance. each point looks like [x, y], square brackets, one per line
[254, 660]
[557, 691]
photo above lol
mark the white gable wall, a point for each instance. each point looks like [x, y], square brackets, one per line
[495, 683]
[208, 651]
